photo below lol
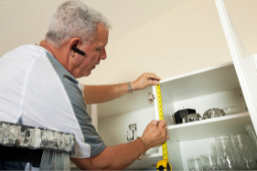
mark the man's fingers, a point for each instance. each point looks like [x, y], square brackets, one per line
[152, 77]
[155, 122]
[162, 124]
[154, 82]
[166, 130]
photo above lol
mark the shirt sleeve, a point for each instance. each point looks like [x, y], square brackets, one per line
[75, 94]
[91, 137]
[82, 88]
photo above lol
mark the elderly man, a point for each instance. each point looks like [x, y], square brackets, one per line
[40, 88]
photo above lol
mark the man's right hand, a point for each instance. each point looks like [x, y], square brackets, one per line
[121, 156]
[155, 133]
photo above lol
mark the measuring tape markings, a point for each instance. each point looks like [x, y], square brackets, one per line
[159, 103]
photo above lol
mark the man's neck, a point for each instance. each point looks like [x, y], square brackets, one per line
[58, 53]
[48, 47]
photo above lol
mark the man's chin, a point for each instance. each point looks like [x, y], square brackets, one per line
[86, 73]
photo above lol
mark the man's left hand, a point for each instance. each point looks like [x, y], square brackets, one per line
[145, 80]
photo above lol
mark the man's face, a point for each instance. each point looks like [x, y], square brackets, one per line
[95, 52]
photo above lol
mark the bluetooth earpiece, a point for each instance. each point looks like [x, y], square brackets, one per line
[75, 49]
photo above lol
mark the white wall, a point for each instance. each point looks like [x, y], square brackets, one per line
[185, 39]
[243, 16]
[24, 22]
[188, 37]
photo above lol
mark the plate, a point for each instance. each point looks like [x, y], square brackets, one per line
[235, 109]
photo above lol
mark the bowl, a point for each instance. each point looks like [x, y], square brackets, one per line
[191, 118]
[213, 113]
[178, 116]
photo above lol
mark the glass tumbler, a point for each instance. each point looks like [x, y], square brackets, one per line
[209, 161]
[226, 153]
[252, 135]
[214, 153]
[194, 164]
[244, 151]
[253, 140]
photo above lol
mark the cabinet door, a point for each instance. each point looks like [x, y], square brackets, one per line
[245, 63]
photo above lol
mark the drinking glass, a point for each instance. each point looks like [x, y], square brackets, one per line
[244, 151]
[226, 153]
[209, 161]
[252, 134]
[253, 140]
[214, 153]
[194, 164]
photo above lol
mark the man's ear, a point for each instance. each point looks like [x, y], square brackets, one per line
[73, 46]
[75, 41]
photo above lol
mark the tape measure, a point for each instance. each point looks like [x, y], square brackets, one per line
[162, 164]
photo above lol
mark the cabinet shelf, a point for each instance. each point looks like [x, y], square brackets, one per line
[208, 128]
[200, 83]
[203, 129]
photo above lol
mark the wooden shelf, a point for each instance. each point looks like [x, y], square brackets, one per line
[208, 128]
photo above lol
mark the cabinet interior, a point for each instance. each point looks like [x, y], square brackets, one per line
[216, 87]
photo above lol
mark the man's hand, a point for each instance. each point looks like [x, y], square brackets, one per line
[155, 133]
[145, 80]
[121, 156]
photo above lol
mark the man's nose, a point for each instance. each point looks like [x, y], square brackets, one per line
[103, 54]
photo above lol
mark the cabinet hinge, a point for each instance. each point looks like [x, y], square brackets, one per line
[151, 98]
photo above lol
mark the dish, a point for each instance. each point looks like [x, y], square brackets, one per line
[213, 113]
[235, 109]
[192, 118]
[178, 116]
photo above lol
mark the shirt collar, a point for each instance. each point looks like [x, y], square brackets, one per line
[57, 65]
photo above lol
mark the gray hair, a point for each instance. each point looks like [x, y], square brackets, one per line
[74, 19]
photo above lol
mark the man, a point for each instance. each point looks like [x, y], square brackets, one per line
[40, 88]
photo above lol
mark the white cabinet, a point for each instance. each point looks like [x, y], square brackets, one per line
[221, 86]
[216, 87]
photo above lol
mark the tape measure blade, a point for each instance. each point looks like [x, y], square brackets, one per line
[165, 151]
[159, 103]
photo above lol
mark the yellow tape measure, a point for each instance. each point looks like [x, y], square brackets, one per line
[163, 164]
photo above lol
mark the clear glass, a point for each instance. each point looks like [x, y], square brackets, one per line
[226, 153]
[194, 164]
[209, 161]
[252, 136]
[253, 140]
[214, 153]
[244, 151]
